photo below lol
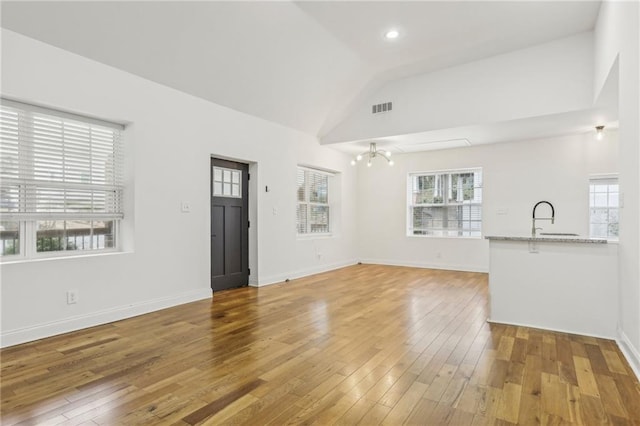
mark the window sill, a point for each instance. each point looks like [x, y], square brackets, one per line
[444, 237]
[43, 258]
[303, 237]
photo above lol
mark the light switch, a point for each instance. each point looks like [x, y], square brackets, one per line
[275, 211]
[185, 207]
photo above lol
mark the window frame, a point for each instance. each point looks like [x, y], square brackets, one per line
[446, 189]
[330, 176]
[27, 215]
[608, 179]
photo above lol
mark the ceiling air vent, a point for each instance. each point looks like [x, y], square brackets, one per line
[384, 107]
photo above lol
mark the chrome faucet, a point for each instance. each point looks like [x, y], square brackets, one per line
[534, 218]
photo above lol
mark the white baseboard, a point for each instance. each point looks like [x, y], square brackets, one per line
[274, 279]
[449, 267]
[630, 352]
[559, 330]
[40, 331]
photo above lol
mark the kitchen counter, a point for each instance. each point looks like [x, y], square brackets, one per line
[567, 284]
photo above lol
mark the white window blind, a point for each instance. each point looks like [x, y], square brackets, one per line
[55, 165]
[446, 204]
[313, 214]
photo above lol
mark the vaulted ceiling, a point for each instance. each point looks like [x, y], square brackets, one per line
[300, 64]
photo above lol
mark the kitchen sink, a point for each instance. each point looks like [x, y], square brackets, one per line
[558, 234]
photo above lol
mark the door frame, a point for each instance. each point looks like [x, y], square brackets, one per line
[253, 216]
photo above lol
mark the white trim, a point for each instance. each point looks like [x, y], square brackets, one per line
[321, 171]
[427, 265]
[275, 279]
[79, 322]
[60, 114]
[445, 171]
[559, 330]
[446, 237]
[311, 236]
[629, 351]
[604, 176]
[73, 254]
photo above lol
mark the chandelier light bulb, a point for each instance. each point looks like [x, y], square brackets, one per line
[353, 162]
[368, 163]
[599, 132]
[388, 153]
[359, 157]
[391, 162]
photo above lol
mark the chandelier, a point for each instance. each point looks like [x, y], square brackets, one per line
[371, 154]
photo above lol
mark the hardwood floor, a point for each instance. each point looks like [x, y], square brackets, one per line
[361, 345]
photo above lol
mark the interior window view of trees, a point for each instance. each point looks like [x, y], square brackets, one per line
[446, 204]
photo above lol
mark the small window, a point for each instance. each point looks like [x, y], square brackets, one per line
[604, 205]
[313, 211]
[445, 204]
[226, 182]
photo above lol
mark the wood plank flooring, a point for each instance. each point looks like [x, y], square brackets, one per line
[362, 345]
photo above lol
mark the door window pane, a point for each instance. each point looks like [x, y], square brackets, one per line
[227, 182]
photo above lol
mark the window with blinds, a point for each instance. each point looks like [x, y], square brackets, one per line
[313, 214]
[445, 204]
[604, 205]
[61, 181]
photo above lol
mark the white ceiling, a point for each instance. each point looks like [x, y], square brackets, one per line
[440, 34]
[295, 63]
[508, 131]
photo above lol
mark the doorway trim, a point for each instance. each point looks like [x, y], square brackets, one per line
[253, 216]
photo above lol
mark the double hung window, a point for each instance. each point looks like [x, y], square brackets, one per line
[604, 207]
[313, 210]
[445, 204]
[61, 182]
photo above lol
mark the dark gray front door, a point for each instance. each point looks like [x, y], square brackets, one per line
[229, 224]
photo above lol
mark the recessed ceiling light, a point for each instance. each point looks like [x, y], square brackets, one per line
[391, 34]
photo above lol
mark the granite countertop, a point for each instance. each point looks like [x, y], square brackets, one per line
[549, 239]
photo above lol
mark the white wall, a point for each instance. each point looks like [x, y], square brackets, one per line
[551, 78]
[617, 36]
[169, 141]
[516, 176]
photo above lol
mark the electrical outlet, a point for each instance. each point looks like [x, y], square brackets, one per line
[72, 297]
[185, 207]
